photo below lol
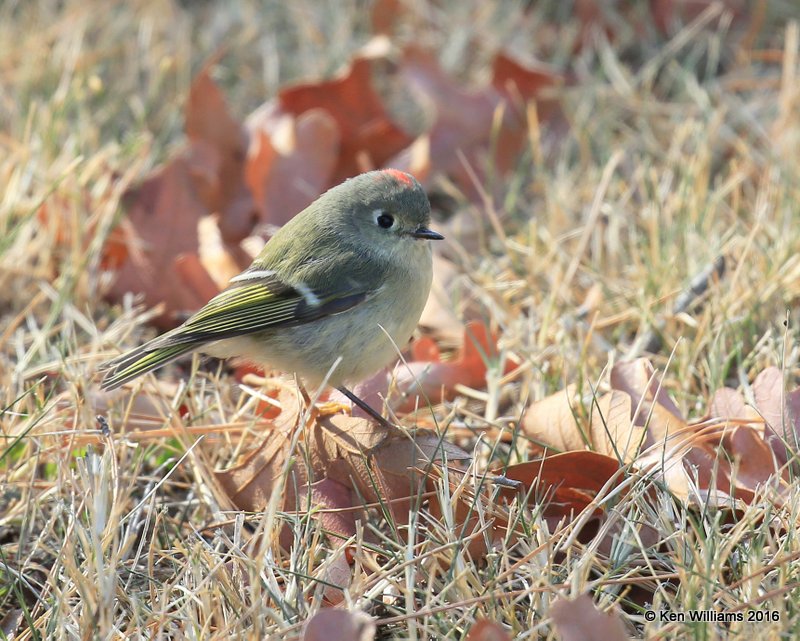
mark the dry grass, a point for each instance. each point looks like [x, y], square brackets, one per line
[678, 151]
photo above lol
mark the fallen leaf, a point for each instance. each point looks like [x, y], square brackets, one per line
[332, 503]
[754, 461]
[517, 84]
[250, 483]
[485, 630]
[550, 422]
[418, 382]
[653, 406]
[368, 135]
[385, 14]
[339, 625]
[215, 255]
[291, 160]
[728, 403]
[198, 284]
[570, 481]
[612, 429]
[583, 470]
[338, 575]
[163, 213]
[579, 619]
[381, 464]
[217, 142]
[780, 410]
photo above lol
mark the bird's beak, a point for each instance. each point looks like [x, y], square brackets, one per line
[423, 233]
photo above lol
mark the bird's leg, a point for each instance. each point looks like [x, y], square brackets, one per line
[364, 406]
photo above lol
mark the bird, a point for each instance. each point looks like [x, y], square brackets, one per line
[331, 296]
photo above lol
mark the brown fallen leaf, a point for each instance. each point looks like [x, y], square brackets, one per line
[250, 483]
[578, 619]
[199, 286]
[612, 428]
[728, 403]
[385, 14]
[569, 481]
[780, 410]
[466, 127]
[754, 463]
[550, 422]
[485, 630]
[368, 135]
[335, 502]
[559, 422]
[381, 464]
[418, 382]
[651, 403]
[164, 211]
[291, 160]
[217, 151]
[689, 467]
[339, 625]
[338, 576]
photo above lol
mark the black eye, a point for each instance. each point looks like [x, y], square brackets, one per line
[385, 220]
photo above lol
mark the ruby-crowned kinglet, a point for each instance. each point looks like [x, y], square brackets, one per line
[346, 278]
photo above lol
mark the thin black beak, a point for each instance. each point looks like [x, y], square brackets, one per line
[423, 233]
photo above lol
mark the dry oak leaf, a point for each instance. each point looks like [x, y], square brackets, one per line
[217, 150]
[579, 619]
[652, 405]
[420, 381]
[690, 468]
[556, 422]
[464, 119]
[164, 211]
[339, 625]
[162, 215]
[569, 482]
[781, 411]
[368, 135]
[744, 443]
[291, 160]
[251, 482]
[485, 630]
[381, 464]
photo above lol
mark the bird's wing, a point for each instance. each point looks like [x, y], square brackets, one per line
[257, 300]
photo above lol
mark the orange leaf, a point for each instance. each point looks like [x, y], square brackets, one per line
[485, 630]
[582, 470]
[367, 133]
[437, 381]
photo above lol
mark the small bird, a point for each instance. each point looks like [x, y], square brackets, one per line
[333, 293]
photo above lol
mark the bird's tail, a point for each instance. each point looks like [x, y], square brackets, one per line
[140, 361]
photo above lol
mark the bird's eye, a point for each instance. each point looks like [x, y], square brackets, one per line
[385, 220]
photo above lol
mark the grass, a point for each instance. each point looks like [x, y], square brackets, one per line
[678, 150]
